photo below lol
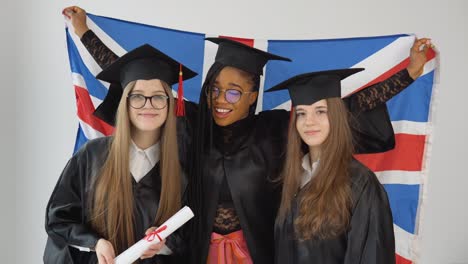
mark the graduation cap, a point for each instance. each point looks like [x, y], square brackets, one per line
[308, 88]
[238, 55]
[142, 63]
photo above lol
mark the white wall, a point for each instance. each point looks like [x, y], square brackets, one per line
[45, 105]
[7, 129]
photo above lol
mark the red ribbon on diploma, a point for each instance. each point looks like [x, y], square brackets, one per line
[155, 233]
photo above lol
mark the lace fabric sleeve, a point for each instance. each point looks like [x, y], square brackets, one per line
[100, 52]
[379, 93]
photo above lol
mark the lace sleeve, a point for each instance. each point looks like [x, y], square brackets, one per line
[100, 52]
[379, 93]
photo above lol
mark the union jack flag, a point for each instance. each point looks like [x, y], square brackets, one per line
[403, 171]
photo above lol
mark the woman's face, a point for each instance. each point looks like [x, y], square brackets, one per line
[312, 123]
[232, 96]
[147, 115]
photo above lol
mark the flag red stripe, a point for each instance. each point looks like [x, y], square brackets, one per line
[402, 260]
[407, 155]
[248, 42]
[86, 109]
[430, 54]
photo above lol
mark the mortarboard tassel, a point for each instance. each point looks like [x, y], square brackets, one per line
[180, 111]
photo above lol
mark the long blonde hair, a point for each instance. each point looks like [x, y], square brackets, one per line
[324, 203]
[111, 207]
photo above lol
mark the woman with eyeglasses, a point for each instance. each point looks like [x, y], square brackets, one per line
[115, 188]
[236, 153]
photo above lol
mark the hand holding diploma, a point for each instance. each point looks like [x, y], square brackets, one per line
[155, 237]
[153, 249]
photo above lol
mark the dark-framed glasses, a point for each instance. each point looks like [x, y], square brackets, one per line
[138, 101]
[231, 95]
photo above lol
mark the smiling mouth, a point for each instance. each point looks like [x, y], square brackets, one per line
[312, 132]
[222, 112]
[147, 115]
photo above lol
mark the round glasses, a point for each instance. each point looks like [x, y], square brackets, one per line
[138, 101]
[231, 95]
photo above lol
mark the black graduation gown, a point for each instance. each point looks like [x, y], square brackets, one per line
[370, 238]
[67, 219]
[248, 163]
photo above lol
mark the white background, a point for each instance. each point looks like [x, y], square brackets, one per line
[38, 121]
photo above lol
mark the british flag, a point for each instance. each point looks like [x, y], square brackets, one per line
[403, 171]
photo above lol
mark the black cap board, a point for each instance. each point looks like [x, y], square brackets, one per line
[144, 63]
[308, 88]
[235, 54]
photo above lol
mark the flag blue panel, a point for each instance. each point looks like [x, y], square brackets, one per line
[413, 103]
[404, 203]
[80, 139]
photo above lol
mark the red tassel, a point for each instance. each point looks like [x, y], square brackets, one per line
[180, 111]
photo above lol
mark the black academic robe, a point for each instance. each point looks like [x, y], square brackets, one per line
[67, 217]
[250, 159]
[369, 239]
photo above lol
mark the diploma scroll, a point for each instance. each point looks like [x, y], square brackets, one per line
[166, 229]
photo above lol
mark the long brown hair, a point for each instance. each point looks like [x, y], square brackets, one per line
[111, 207]
[324, 203]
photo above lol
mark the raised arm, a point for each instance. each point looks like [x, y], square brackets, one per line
[379, 93]
[100, 52]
